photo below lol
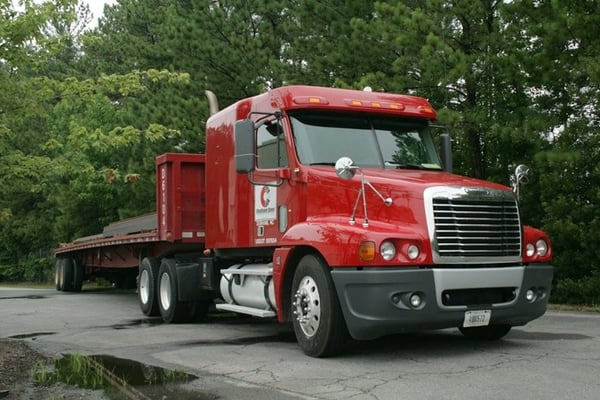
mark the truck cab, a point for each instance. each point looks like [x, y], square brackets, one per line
[338, 199]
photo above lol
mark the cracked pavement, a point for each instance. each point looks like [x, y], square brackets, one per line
[237, 357]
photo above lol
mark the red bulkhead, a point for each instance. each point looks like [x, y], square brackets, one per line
[180, 197]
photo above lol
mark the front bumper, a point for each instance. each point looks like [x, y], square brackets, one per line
[376, 301]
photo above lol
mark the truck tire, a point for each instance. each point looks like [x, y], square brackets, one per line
[171, 310]
[316, 314]
[147, 287]
[491, 332]
[58, 272]
[78, 273]
[68, 271]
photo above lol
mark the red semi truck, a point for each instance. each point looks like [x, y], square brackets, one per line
[332, 209]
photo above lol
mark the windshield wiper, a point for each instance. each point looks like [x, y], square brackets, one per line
[410, 166]
[323, 163]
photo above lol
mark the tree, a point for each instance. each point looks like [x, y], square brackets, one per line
[64, 138]
[24, 170]
[564, 77]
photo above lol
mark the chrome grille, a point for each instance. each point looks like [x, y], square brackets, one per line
[483, 226]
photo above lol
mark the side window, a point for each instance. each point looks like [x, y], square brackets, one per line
[271, 148]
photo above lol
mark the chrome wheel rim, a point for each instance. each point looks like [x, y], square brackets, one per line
[307, 306]
[144, 287]
[165, 291]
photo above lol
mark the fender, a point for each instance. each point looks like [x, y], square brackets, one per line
[337, 240]
[281, 258]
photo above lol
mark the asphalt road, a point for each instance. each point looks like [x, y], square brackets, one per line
[554, 357]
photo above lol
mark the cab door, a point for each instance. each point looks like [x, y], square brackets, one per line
[274, 203]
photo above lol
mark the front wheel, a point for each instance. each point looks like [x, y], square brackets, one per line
[316, 314]
[491, 332]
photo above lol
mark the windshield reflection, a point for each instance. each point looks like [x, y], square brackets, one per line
[369, 140]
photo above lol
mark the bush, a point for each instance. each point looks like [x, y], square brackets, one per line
[581, 291]
[30, 269]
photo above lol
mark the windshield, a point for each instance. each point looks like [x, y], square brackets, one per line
[369, 140]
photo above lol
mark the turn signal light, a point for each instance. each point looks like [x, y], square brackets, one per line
[366, 251]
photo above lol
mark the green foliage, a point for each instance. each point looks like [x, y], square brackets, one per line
[577, 291]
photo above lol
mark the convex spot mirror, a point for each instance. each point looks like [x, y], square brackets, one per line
[344, 168]
[522, 173]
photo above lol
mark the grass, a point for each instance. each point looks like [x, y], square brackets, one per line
[73, 369]
[574, 307]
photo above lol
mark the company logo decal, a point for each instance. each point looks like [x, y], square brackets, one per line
[264, 196]
[265, 204]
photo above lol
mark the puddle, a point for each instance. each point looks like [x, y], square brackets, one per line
[120, 379]
[31, 335]
[29, 297]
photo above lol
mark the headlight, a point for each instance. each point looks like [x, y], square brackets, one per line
[541, 247]
[413, 252]
[387, 250]
[530, 250]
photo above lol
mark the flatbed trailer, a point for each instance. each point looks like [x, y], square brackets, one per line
[116, 253]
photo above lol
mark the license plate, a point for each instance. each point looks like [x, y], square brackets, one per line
[477, 318]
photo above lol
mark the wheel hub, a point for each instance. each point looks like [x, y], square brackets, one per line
[165, 291]
[307, 306]
[144, 287]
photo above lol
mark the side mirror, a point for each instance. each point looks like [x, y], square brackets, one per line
[344, 168]
[244, 146]
[520, 177]
[522, 174]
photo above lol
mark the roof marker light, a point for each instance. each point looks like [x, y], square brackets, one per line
[310, 100]
[426, 110]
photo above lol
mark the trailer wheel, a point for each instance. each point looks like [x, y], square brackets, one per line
[491, 332]
[78, 272]
[67, 272]
[58, 272]
[317, 317]
[171, 310]
[147, 283]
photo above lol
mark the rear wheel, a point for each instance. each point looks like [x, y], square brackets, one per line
[317, 317]
[147, 287]
[171, 310]
[78, 273]
[491, 332]
[58, 272]
[68, 271]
